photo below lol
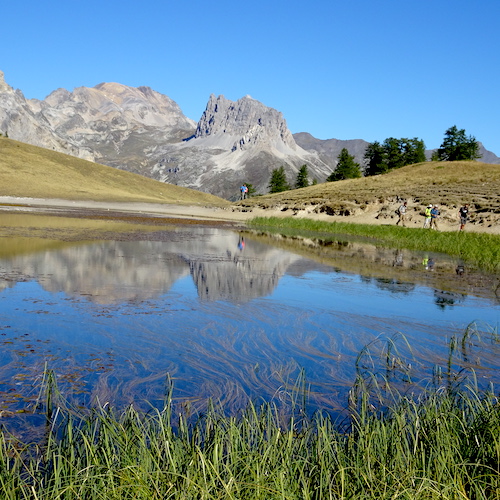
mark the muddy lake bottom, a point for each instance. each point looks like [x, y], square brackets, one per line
[119, 313]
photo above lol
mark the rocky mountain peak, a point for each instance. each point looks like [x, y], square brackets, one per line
[138, 107]
[246, 123]
[143, 131]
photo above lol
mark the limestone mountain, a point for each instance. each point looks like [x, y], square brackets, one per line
[235, 142]
[116, 124]
[142, 131]
[145, 132]
[21, 122]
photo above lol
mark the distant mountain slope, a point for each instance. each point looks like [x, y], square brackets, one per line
[30, 171]
[145, 132]
[329, 149]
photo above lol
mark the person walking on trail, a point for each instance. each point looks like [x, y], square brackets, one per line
[427, 221]
[463, 213]
[434, 216]
[402, 214]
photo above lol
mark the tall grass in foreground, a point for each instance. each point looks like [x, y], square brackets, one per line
[445, 445]
[480, 249]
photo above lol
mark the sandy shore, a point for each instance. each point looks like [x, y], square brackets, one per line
[233, 213]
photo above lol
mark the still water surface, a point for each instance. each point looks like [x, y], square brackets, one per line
[222, 318]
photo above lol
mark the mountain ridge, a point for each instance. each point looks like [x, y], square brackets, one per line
[145, 132]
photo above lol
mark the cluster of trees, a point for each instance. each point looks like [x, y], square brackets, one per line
[278, 182]
[393, 153]
[380, 158]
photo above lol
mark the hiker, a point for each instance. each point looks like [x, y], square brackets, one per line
[463, 213]
[427, 221]
[434, 216]
[402, 214]
[244, 191]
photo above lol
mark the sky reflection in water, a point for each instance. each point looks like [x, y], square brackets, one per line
[113, 318]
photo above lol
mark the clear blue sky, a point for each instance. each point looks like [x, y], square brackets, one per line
[350, 69]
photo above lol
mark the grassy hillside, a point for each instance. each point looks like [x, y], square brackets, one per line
[445, 183]
[30, 171]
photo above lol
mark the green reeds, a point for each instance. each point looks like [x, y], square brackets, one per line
[444, 446]
[442, 443]
[480, 249]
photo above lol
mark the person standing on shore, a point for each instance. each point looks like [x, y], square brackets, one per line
[402, 214]
[463, 213]
[434, 216]
[427, 220]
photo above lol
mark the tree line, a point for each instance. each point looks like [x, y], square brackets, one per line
[380, 158]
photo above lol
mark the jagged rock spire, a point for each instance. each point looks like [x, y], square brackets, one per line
[248, 121]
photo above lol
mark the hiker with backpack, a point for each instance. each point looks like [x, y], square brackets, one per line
[434, 216]
[402, 214]
[427, 221]
[463, 213]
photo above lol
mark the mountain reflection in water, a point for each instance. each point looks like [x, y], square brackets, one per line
[111, 272]
[223, 319]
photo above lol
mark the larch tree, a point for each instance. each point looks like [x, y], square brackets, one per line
[302, 178]
[278, 182]
[347, 168]
[458, 146]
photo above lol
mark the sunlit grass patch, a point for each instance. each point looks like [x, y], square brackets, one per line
[480, 249]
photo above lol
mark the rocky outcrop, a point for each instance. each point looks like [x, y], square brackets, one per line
[243, 125]
[21, 122]
[235, 142]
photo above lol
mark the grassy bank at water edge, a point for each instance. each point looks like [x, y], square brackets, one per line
[478, 249]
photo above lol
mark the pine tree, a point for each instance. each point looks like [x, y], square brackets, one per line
[347, 168]
[302, 178]
[278, 182]
[457, 146]
[375, 162]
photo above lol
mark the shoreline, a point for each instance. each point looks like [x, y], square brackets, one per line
[233, 213]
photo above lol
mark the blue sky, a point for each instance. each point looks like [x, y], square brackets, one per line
[357, 69]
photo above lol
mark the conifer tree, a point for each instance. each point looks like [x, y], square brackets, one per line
[278, 182]
[347, 168]
[375, 162]
[457, 146]
[302, 177]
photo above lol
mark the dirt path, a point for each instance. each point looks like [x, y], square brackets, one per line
[230, 214]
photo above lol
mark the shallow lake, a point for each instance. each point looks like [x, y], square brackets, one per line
[230, 315]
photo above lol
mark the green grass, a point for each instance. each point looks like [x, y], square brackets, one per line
[479, 249]
[446, 446]
[442, 442]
